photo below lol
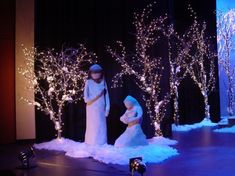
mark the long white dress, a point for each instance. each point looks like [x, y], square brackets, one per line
[133, 135]
[96, 112]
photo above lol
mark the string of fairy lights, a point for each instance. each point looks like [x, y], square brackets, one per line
[225, 38]
[177, 55]
[56, 78]
[202, 57]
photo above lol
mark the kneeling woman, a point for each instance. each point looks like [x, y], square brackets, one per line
[133, 135]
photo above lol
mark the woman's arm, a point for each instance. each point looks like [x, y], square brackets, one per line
[87, 97]
[137, 117]
[107, 107]
[123, 118]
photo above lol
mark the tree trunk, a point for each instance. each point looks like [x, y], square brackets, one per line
[58, 127]
[230, 99]
[207, 107]
[176, 108]
[59, 134]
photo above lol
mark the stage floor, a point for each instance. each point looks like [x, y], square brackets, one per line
[202, 153]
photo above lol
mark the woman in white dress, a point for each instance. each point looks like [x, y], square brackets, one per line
[97, 102]
[133, 135]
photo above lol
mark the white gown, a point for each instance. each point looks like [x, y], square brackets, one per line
[96, 128]
[132, 136]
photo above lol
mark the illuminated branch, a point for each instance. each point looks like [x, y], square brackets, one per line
[145, 68]
[56, 78]
[178, 52]
[202, 57]
[225, 38]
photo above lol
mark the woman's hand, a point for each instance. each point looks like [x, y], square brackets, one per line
[97, 97]
[124, 118]
[106, 114]
[137, 121]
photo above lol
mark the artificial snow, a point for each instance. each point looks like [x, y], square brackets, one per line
[156, 151]
[225, 120]
[226, 130]
[204, 123]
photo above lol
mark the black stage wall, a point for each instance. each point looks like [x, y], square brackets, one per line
[98, 23]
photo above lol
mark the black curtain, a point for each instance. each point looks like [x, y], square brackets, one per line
[98, 23]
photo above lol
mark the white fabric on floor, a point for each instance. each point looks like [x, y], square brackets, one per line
[157, 151]
[205, 122]
[226, 130]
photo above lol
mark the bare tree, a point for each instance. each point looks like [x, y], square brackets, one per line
[177, 55]
[144, 67]
[225, 38]
[201, 59]
[56, 78]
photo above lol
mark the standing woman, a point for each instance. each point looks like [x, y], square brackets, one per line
[97, 102]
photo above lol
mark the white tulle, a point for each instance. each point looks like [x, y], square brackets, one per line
[204, 123]
[132, 136]
[226, 130]
[156, 151]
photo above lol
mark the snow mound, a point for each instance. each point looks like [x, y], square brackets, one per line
[157, 150]
[225, 120]
[205, 122]
[162, 141]
[226, 130]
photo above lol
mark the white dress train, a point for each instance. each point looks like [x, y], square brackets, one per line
[133, 135]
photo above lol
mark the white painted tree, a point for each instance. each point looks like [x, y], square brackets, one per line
[226, 46]
[202, 57]
[144, 67]
[56, 78]
[177, 55]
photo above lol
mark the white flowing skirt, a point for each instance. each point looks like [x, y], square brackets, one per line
[96, 128]
[133, 136]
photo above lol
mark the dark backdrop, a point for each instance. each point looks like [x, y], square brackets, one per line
[98, 23]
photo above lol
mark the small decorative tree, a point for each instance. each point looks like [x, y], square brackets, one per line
[177, 54]
[144, 67]
[226, 39]
[56, 78]
[202, 57]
